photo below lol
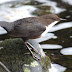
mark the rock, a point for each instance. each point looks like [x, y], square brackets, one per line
[15, 57]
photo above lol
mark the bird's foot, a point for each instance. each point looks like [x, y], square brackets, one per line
[35, 57]
[30, 47]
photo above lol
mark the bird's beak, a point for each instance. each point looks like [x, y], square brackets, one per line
[61, 19]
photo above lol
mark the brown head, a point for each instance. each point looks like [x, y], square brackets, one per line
[49, 18]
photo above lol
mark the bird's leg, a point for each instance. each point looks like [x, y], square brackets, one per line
[33, 55]
[33, 48]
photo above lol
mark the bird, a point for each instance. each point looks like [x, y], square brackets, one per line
[30, 27]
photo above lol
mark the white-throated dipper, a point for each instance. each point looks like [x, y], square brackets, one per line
[30, 28]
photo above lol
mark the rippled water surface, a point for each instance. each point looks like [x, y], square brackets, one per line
[58, 42]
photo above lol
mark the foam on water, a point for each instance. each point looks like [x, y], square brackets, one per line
[57, 68]
[66, 51]
[70, 36]
[61, 26]
[46, 37]
[55, 9]
[68, 1]
[12, 14]
[3, 1]
[50, 46]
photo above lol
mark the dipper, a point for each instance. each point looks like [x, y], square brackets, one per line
[31, 27]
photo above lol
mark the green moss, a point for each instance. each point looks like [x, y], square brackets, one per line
[45, 63]
[13, 54]
[34, 63]
[16, 57]
[26, 70]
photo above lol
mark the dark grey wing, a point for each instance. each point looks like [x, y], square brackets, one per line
[19, 31]
[28, 31]
[35, 30]
[27, 28]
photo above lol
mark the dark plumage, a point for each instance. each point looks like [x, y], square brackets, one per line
[29, 28]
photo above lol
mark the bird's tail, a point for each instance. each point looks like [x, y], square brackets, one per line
[5, 27]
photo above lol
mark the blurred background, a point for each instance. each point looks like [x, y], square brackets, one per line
[57, 44]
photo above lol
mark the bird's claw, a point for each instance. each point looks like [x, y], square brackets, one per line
[33, 55]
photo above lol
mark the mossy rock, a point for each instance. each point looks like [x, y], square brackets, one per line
[15, 57]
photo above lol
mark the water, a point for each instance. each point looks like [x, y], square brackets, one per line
[58, 42]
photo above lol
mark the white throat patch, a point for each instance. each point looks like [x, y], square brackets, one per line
[49, 27]
[2, 31]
